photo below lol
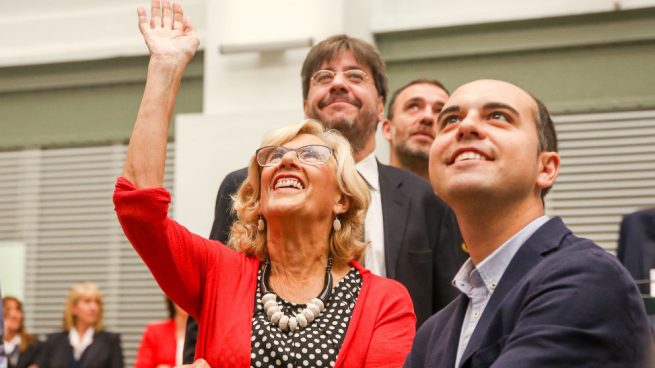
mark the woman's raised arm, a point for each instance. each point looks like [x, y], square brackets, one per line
[172, 42]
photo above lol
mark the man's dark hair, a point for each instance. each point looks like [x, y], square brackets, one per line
[392, 102]
[328, 49]
[545, 132]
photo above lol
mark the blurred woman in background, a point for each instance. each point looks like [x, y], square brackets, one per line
[21, 347]
[83, 343]
[163, 341]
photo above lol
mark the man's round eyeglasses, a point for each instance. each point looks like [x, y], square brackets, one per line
[314, 154]
[353, 76]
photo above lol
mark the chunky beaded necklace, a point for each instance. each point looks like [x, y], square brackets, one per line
[312, 310]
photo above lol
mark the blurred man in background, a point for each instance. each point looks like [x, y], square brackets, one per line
[411, 123]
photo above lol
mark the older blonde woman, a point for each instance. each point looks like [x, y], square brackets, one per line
[83, 343]
[291, 294]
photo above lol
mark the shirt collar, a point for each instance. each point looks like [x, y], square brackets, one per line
[77, 340]
[368, 169]
[492, 268]
[12, 344]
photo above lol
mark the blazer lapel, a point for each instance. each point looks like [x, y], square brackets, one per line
[452, 329]
[529, 255]
[395, 212]
[91, 352]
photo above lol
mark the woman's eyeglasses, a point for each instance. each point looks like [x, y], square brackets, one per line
[314, 154]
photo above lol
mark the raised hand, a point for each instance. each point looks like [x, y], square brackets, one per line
[168, 33]
[172, 43]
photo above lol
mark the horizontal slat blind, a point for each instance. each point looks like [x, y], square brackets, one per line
[58, 202]
[607, 171]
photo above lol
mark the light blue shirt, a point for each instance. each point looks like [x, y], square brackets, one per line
[479, 283]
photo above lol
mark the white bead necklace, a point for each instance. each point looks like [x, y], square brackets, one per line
[312, 310]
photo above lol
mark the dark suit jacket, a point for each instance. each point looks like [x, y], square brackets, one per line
[29, 356]
[421, 239]
[104, 352]
[637, 245]
[562, 302]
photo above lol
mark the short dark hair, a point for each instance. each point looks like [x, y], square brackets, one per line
[392, 102]
[545, 132]
[364, 53]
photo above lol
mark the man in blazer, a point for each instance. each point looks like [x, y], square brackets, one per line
[637, 245]
[532, 293]
[413, 234]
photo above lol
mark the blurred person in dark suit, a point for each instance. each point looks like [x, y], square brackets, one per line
[83, 343]
[637, 245]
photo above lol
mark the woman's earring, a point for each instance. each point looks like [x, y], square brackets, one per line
[336, 224]
[261, 225]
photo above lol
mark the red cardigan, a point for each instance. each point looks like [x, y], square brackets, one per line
[216, 285]
[158, 345]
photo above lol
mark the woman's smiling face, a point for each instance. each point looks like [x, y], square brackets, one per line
[292, 187]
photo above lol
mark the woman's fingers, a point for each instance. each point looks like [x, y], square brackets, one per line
[167, 14]
[164, 14]
[143, 18]
[178, 17]
[155, 14]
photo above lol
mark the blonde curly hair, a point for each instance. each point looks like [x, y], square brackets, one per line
[345, 244]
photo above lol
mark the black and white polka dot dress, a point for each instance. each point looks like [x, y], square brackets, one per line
[316, 345]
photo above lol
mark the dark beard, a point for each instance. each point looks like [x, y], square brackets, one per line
[413, 160]
[355, 133]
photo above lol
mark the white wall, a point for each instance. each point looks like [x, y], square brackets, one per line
[210, 146]
[43, 31]
[262, 81]
[12, 269]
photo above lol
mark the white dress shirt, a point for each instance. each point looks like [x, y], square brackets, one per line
[373, 224]
[179, 350]
[11, 349]
[80, 343]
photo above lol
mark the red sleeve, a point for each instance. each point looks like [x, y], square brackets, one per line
[178, 259]
[144, 356]
[394, 329]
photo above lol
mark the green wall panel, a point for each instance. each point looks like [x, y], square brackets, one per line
[590, 63]
[80, 103]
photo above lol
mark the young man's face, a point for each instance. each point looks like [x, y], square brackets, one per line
[413, 127]
[352, 108]
[487, 145]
